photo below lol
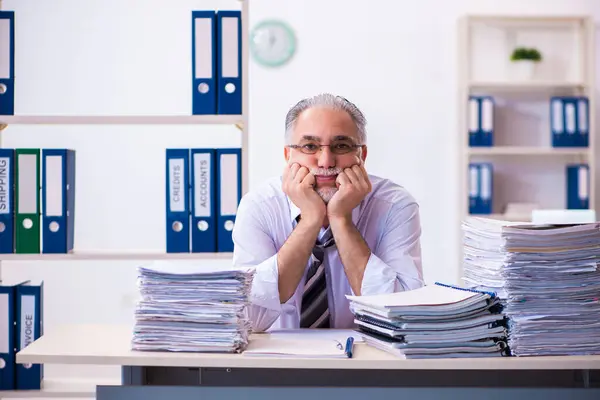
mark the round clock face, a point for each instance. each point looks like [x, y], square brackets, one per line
[272, 43]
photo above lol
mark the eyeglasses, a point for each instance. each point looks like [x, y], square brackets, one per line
[339, 147]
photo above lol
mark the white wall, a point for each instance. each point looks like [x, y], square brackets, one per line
[395, 59]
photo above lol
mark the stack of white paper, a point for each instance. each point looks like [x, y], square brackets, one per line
[547, 277]
[192, 308]
[434, 321]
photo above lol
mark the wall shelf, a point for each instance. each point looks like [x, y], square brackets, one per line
[120, 119]
[526, 167]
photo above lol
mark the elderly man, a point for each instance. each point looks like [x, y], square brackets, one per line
[325, 229]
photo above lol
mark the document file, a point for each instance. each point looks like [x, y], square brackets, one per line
[480, 188]
[177, 201]
[7, 62]
[58, 200]
[432, 322]
[481, 121]
[229, 59]
[578, 186]
[547, 278]
[204, 64]
[192, 307]
[204, 215]
[7, 203]
[229, 189]
[8, 341]
[29, 325]
[569, 121]
[27, 221]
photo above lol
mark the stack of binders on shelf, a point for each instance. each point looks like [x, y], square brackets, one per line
[435, 321]
[217, 62]
[547, 278]
[481, 188]
[481, 121]
[190, 308]
[569, 121]
[203, 191]
[37, 217]
[21, 323]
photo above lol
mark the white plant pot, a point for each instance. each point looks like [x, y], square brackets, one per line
[523, 70]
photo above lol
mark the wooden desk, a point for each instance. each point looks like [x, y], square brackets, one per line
[152, 373]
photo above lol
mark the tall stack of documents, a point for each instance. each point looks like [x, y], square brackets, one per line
[436, 321]
[548, 278]
[192, 308]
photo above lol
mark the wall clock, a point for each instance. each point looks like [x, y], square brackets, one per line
[272, 43]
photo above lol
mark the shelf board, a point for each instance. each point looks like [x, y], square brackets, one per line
[121, 119]
[99, 255]
[524, 86]
[64, 388]
[528, 151]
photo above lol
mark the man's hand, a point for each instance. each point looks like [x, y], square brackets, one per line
[299, 184]
[353, 185]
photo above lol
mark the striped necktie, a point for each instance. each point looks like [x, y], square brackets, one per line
[315, 307]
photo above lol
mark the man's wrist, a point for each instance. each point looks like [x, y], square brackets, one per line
[343, 221]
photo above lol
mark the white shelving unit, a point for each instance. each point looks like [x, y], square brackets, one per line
[78, 388]
[522, 135]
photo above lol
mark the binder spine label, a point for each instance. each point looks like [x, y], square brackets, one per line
[203, 55]
[583, 183]
[5, 184]
[229, 194]
[5, 56]
[230, 48]
[176, 185]
[557, 116]
[202, 189]
[5, 324]
[27, 333]
[570, 118]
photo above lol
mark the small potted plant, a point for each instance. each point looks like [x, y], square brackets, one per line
[524, 61]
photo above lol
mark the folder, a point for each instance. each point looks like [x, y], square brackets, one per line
[229, 61]
[229, 189]
[564, 121]
[473, 188]
[557, 124]
[204, 62]
[481, 121]
[7, 62]
[177, 201]
[486, 183]
[7, 201]
[480, 188]
[203, 200]
[27, 219]
[578, 184]
[583, 122]
[8, 344]
[486, 104]
[58, 200]
[30, 327]
[474, 118]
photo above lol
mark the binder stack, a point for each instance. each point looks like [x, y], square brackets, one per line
[191, 308]
[436, 321]
[546, 275]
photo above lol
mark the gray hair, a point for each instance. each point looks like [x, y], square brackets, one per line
[328, 101]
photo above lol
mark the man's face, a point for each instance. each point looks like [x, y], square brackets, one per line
[323, 126]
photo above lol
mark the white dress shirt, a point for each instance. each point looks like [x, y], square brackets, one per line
[388, 220]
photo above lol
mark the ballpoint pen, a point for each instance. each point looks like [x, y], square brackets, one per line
[349, 346]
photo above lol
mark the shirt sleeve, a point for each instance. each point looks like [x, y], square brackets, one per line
[254, 247]
[395, 263]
